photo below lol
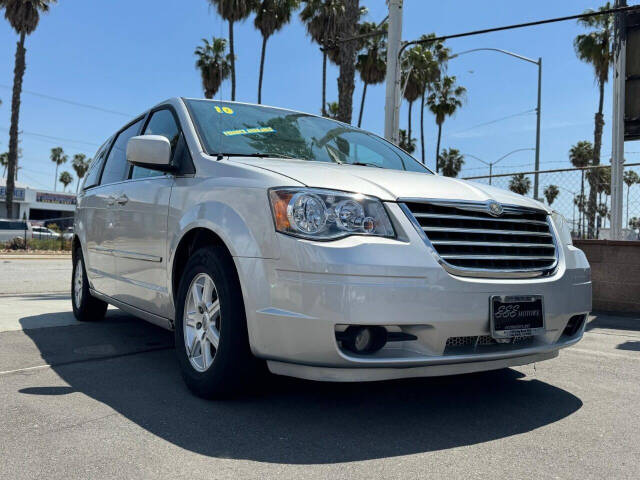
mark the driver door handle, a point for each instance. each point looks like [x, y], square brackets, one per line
[122, 199]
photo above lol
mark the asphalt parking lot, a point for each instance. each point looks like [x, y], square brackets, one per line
[106, 400]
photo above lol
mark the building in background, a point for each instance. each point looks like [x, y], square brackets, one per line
[36, 204]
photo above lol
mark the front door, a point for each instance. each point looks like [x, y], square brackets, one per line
[141, 241]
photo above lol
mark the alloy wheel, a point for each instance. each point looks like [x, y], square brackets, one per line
[201, 322]
[78, 281]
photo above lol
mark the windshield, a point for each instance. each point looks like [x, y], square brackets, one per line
[252, 130]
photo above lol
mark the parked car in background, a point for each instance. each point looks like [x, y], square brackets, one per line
[10, 229]
[261, 235]
[43, 233]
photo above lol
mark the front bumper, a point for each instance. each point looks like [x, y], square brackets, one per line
[294, 304]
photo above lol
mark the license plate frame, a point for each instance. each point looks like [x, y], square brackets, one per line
[531, 324]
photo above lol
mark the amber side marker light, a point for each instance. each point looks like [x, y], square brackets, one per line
[279, 202]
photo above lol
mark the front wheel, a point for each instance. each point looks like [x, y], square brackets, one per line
[86, 307]
[212, 343]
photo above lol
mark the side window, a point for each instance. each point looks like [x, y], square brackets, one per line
[93, 174]
[116, 168]
[161, 123]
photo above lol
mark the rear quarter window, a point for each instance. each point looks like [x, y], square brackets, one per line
[93, 174]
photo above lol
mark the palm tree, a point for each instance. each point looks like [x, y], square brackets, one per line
[595, 48]
[80, 164]
[630, 178]
[58, 157]
[520, 184]
[23, 16]
[580, 202]
[443, 102]
[436, 64]
[332, 110]
[214, 64]
[65, 179]
[581, 155]
[4, 161]
[405, 142]
[550, 193]
[233, 11]
[372, 62]
[321, 18]
[271, 16]
[603, 213]
[451, 162]
[347, 28]
[413, 65]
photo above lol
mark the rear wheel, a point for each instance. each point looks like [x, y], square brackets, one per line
[212, 343]
[86, 307]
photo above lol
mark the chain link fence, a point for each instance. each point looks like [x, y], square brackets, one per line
[582, 195]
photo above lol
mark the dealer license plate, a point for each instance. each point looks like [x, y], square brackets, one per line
[516, 316]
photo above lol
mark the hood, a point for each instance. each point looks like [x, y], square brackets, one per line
[389, 185]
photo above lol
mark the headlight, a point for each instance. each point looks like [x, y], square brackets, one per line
[562, 226]
[327, 215]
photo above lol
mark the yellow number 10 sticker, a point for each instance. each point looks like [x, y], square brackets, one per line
[226, 110]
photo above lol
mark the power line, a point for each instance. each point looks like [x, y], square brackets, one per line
[556, 162]
[526, 112]
[521, 25]
[72, 102]
[51, 137]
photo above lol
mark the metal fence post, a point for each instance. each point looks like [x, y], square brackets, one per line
[617, 139]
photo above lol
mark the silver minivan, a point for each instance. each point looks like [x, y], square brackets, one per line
[265, 236]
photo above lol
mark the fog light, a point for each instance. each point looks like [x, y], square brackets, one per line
[363, 339]
[574, 325]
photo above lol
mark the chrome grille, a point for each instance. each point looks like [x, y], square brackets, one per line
[471, 242]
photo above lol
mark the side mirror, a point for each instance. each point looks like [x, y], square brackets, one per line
[150, 151]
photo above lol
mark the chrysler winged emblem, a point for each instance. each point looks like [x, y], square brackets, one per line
[494, 208]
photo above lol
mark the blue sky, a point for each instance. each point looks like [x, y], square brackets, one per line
[126, 55]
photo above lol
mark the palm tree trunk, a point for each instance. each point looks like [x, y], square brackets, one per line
[438, 146]
[324, 83]
[264, 48]
[581, 207]
[409, 124]
[422, 126]
[627, 222]
[55, 180]
[597, 145]
[347, 76]
[18, 75]
[364, 93]
[233, 62]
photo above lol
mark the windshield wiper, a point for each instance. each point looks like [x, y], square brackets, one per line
[363, 164]
[258, 155]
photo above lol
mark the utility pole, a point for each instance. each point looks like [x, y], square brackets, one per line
[537, 164]
[392, 96]
[617, 138]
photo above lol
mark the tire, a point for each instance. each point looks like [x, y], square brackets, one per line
[86, 308]
[210, 370]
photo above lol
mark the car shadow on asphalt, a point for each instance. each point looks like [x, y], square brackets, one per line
[626, 322]
[286, 420]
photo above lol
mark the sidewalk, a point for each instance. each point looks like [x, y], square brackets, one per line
[35, 256]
